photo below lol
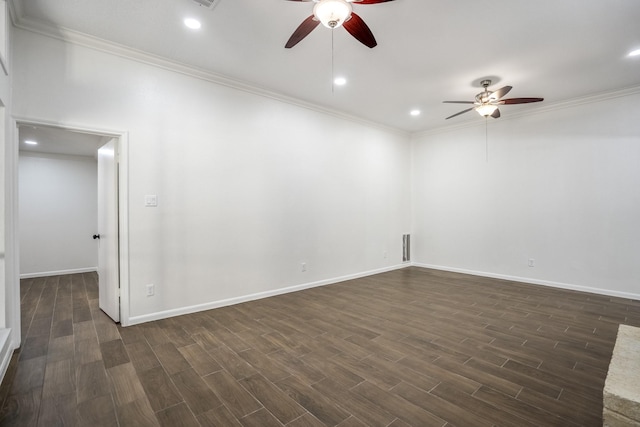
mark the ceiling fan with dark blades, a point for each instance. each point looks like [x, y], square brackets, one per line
[487, 102]
[333, 14]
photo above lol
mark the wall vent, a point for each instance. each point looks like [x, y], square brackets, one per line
[209, 4]
[406, 247]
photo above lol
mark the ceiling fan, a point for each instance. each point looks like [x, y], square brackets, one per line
[487, 102]
[333, 14]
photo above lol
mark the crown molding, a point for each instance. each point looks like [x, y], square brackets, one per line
[95, 43]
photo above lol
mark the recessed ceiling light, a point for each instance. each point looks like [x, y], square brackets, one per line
[415, 113]
[194, 24]
[340, 81]
[30, 142]
[634, 53]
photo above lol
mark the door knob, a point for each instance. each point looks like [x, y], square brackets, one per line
[96, 236]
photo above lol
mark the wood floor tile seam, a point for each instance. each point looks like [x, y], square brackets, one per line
[506, 409]
[479, 376]
[436, 409]
[526, 403]
[564, 382]
[588, 339]
[263, 408]
[412, 411]
[569, 420]
[532, 381]
[298, 418]
[34, 312]
[581, 357]
[359, 407]
[170, 377]
[252, 412]
[173, 406]
[455, 376]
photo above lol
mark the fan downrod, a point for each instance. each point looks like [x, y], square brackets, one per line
[484, 97]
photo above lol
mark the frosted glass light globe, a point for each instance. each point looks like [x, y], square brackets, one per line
[332, 13]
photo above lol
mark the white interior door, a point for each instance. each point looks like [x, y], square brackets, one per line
[108, 268]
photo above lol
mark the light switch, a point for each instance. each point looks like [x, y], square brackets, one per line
[151, 200]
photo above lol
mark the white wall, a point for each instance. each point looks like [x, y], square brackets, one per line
[58, 214]
[248, 187]
[561, 187]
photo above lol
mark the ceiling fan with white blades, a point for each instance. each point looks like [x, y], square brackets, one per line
[333, 14]
[487, 102]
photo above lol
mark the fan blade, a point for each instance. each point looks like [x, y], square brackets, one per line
[519, 100]
[501, 92]
[495, 114]
[358, 29]
[302, 31]
[461, 112]
[458, 102]
[370, 1]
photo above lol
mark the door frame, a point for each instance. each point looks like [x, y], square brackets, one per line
[13, 223]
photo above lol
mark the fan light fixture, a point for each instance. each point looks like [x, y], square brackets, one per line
[332, 13]
[486, 110]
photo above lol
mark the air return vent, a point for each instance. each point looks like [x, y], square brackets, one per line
[209, 4]
[406, 247]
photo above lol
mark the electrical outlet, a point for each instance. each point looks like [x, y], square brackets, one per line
[303, 267]
[151, 200]
[151, 290]
[532, 262]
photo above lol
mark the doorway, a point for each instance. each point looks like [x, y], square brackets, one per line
[58, 144]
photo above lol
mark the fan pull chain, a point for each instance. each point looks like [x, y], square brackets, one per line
[333, 77]
[486, 138]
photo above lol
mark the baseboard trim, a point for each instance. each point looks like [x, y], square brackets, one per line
[6, 351]
[58, 272]
[532, 281]
[252, 297]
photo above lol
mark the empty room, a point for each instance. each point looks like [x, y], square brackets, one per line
[320, 213]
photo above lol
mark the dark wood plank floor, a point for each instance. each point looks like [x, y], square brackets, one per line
[412, 347]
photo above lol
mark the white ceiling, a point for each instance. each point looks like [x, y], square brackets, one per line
[428, 51]
[59, 141]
